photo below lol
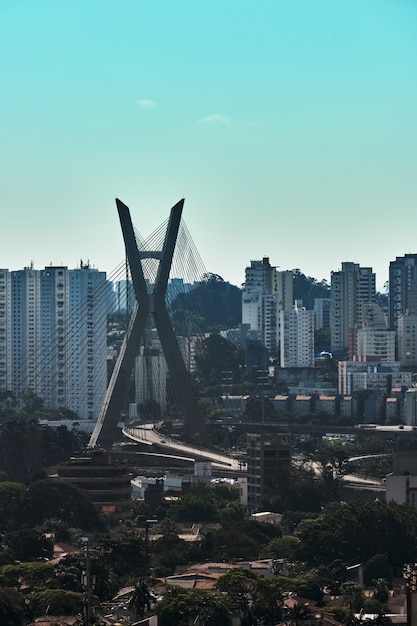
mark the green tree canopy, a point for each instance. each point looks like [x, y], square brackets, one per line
[203, 608]
[220, 363]
[56, 602]
[212, 305]
[53, 498]
[356, 531]
[13, 609]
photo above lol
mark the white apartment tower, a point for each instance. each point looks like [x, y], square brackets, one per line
[87, 341]
[5, 330]
[297, 337]
[58, 336]
[351, 289]
[25, 331]
[266, 292]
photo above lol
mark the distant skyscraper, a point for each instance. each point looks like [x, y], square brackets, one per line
[297, 337]
[407, 340]
[402, 287]
[322, 313]
[267, 291]
[58, 331]
[25, 330]
[5, 330]
[351, 289]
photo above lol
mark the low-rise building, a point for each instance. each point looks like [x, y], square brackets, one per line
[106, 481]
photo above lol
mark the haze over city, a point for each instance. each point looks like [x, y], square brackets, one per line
[289, 128]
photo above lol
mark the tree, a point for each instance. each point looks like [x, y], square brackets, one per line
[198, 505]
[10, 496]
[26, 448]
[56, 601]
[211, 306]
[297, 614]
[12, 607]
[380, 589]
[377, 567]
[219, 356]
[53, 498]
[306, 288]
[140, 602]
[28, 544]
[125, 556]
[203, 608]
[267, 600]
[353, 595]
[282, 548]
[356, 531]
[240, 585]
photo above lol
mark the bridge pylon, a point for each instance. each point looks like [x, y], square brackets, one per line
[149, 305]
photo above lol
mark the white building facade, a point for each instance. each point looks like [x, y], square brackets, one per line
[374, 339]
[267, 291]
[58, 336]
[5, 330]
[297, 337]
[351, 289]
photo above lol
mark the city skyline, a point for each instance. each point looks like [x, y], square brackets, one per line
[287, 126]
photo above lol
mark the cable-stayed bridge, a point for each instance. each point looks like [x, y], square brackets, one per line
[153, 364]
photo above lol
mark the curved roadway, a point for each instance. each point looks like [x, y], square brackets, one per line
[147, 435]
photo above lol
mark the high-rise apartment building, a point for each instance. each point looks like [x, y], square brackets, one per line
[5, 330]
[267, 291]
[321, 313]
[351, 289]
[266, 456]
[374, 339]
[297, 337]
[407, 339]
[58, 336]
[402, 287]
[25, 330]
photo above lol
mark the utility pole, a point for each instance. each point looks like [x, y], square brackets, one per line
[410, 575]
[86, 582]
[262, 379]
[227, 379]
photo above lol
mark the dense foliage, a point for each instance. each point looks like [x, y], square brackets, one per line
[212, 305]
[306, 288]
[27, 448]
[355, 532]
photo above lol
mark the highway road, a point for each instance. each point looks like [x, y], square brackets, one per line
[147, 434]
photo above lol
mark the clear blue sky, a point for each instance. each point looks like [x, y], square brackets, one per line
[289, 126]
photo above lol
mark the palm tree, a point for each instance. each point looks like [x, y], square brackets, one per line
[140, 602]
[298, 614]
